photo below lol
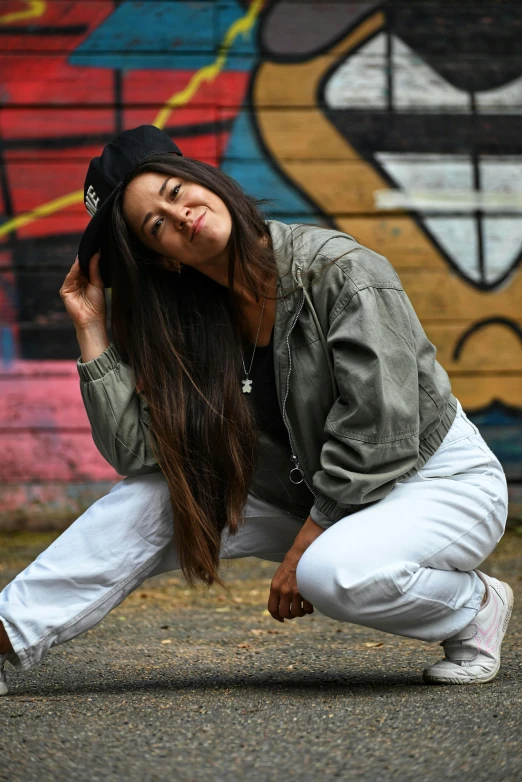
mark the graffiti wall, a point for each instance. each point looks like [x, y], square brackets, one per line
[399, 123]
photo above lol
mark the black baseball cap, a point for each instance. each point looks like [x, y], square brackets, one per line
[103, 181]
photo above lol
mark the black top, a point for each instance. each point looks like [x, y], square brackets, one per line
[271, 479]
[263, 396]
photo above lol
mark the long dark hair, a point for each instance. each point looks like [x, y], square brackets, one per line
[181, 334]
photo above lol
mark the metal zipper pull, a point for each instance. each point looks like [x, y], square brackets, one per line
[296, 468]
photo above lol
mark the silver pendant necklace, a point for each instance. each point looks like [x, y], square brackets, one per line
[247, 383]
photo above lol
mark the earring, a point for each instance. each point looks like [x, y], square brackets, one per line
[180, 267]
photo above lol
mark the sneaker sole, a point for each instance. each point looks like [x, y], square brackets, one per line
[431, 679]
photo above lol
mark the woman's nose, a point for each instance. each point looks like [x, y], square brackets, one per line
[180, 215]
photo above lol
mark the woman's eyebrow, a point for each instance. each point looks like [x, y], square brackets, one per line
[161, 191]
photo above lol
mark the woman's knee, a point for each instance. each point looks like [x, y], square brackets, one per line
[147, 486]
[341, 588]
[136, 512]
[325, 580]
[144, 500]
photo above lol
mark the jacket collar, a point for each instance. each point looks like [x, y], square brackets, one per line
[296, 247]
[283, 244]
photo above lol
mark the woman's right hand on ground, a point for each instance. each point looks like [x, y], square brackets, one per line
[85, 300]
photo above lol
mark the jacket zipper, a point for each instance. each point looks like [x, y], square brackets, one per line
[297, 467]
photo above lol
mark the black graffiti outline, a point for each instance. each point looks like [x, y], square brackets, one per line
[481, 285]
[481, 324]
[45, 30]
[91, 139]
[268, 158]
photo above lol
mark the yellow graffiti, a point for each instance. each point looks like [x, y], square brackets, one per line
[207, 73]
[36, 8]
[44, 210]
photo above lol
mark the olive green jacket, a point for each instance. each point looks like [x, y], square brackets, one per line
[364, 400]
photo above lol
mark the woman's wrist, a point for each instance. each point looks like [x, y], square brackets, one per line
[93, 339]
[309, 532]
[92, 327]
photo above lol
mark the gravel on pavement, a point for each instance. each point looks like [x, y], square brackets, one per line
[204, 686]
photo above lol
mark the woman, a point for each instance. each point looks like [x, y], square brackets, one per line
[269, 392]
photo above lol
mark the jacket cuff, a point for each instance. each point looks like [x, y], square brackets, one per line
[326, 511]
[320, 518]
[100, 366]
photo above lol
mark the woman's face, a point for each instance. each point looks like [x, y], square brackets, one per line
[182, 221]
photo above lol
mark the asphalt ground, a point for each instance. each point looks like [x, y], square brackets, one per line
[205, 687]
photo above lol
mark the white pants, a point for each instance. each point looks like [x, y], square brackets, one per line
[404, 565]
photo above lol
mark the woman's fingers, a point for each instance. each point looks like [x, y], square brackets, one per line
[283, 606]
[70, 282]
[296, 608]
[273, 605]
[285, 600]
[94, 270]
[84, 295]
[74, 270]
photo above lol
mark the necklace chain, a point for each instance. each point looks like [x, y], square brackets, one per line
[247, 383]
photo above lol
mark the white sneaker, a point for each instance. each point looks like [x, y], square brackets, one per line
[473, 655]
[4, 689]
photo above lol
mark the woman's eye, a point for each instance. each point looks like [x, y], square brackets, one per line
[173, 193]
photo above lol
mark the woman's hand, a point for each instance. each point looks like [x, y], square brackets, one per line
[284, 601]
[84, 300]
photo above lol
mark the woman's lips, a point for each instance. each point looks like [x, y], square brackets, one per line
[198, 224]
